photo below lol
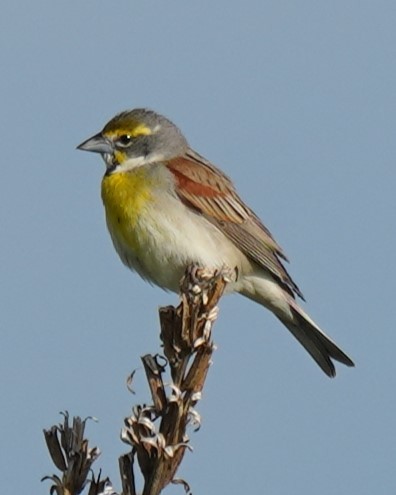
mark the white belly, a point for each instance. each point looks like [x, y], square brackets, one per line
[171, 237]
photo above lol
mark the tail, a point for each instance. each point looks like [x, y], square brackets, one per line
[316, 342]
[264, 289]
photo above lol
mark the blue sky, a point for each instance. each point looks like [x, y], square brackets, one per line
[296, 102]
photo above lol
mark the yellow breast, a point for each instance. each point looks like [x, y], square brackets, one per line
[125, 196]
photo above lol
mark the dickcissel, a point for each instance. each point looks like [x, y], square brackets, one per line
[168, 207]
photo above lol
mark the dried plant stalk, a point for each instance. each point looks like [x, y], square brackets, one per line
[157, 433]
[188, 347]
[71, 454]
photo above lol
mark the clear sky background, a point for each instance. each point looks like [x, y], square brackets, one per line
[296, 101]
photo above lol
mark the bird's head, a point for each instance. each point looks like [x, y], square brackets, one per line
[135, 138]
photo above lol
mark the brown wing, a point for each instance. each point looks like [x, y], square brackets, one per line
[203, 187]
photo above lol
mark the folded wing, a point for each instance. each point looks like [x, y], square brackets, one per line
[204, 188]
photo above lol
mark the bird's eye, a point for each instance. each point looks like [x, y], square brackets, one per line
[124, 140]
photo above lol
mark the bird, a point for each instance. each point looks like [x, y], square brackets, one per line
[168, 207]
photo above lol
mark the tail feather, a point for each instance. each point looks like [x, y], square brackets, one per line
[317, 343]
[261, 287]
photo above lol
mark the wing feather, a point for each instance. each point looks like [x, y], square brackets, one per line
[206, 189]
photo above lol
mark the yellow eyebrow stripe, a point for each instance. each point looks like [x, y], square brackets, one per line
[120, 127]
[139, 130]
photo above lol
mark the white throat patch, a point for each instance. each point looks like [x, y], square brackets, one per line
[132, 163]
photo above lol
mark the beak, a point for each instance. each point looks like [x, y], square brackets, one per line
[96, 144]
